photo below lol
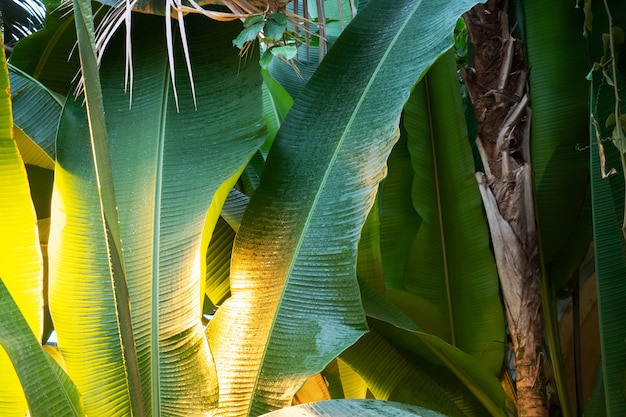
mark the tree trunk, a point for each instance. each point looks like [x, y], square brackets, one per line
[497, 85]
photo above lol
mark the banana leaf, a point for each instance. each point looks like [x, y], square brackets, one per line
[399, 221]
[276, 105]
[48, 389]
[449, 269]
[49, 55]
[558, 129]
[608, 205]
[400, 362]
[295, 300]
[349, 408]
[36, 113]
[21, 266]
[558, 134]
[218, 263]
[167, 163]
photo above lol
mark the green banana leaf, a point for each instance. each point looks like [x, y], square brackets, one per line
[276, 105]
[399, 221]
[450, 269]
[166, 166]
[295, 301]
[558, 134]
[214, 271]
[218, 263]
[399, 362]
[350, 408]
[369, 265]
[21, 266]
[36, 113]
[234, 207]
[48, 389]
[608, 212]
[48, 55]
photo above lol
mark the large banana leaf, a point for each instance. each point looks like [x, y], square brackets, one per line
[48, 389]
[398, 221]
[166, 167]
[558, 133]
[21, 266]
[295, 301]
[608, 208]
[450, 270]
[400, 362]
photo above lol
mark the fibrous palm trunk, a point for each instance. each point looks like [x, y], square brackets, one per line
[497, 84]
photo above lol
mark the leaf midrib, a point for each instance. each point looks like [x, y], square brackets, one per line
[324, 180]
[156, 246]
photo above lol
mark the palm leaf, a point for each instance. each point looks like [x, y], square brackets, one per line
[294, 303]
[167, 165]
[21, 266]
[450, 267]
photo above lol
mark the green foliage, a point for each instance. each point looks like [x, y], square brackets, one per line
[267, 198]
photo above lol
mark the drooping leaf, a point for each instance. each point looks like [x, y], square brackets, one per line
[166, 167]
[295, 302]
[21, 266]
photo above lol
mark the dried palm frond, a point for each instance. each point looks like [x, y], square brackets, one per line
[299, 23]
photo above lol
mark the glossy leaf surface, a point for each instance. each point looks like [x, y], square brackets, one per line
[400, 362]
[21, 266]
[293, 267]
[450, 270]
[48, 389]
[166, 167]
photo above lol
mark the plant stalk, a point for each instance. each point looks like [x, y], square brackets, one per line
[497, 87]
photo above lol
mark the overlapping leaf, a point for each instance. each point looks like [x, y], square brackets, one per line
[450, 272]
[294, 303]
[166, 167]
[21, 266]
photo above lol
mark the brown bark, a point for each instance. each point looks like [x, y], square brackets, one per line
[496, 82]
